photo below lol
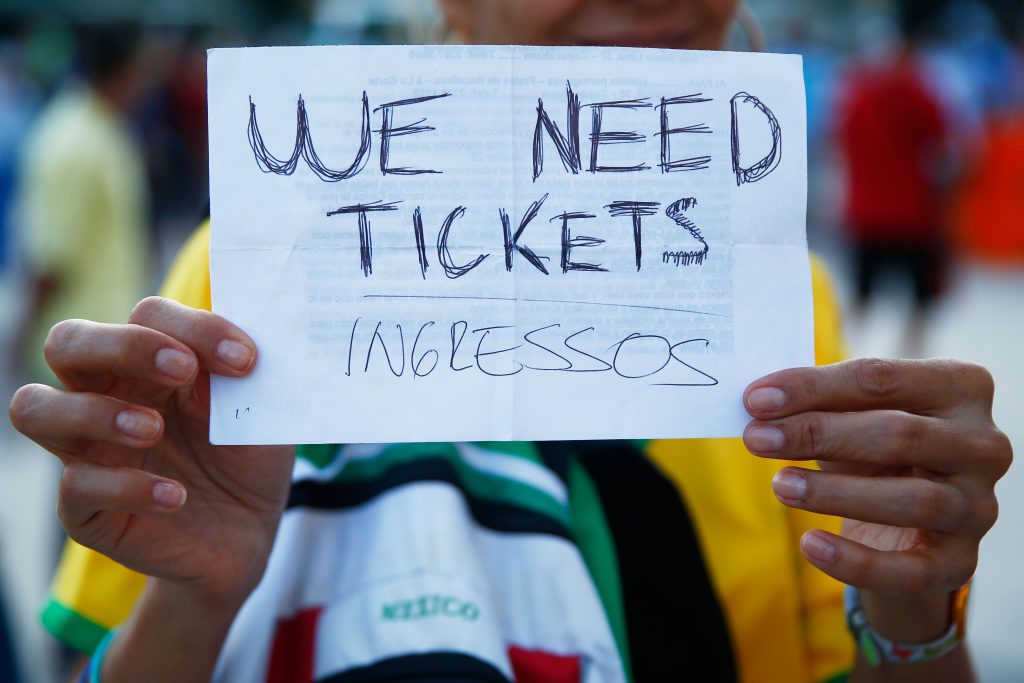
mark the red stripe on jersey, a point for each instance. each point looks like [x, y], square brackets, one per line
[537, 666]
[291, 659]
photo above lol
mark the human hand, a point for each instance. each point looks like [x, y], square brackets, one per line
[909, 457]
[141, 483]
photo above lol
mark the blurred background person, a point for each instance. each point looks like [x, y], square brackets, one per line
[969, 63]
[83, 197]
[989, 214]
[79, 193]
[896, 146]
[19, 99]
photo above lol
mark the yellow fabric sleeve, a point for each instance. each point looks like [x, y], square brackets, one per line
[91, 593]
[188, 281]
[830, 648]
[786, 618]
[829, 344]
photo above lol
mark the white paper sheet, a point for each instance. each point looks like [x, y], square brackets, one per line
[371, 330]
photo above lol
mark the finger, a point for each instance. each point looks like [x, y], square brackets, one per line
[57, 420]
[908, 573]
[88, 356]
[928, 386]
[908, 502]
[87, 489]
[878, 437]
[222, 348]
[886, 438]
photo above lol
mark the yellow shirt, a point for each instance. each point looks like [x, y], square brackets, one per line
[83, 204]
[785, 618]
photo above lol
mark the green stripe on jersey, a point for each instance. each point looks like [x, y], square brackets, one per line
[72, 628]
[317, 455]
[322, 455]
[484, 485]
[839, 678]
[595, 542]
[522, 449]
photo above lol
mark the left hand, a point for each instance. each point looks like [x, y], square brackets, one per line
[909, 458]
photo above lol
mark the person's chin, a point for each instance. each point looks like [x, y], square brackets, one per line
[675, 41]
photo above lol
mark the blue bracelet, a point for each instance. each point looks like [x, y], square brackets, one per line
[91, 674]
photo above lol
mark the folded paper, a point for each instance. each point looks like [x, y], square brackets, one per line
[440, 243]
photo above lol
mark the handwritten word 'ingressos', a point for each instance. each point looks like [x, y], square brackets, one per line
[651, 358]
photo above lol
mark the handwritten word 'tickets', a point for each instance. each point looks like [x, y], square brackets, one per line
[514, 241]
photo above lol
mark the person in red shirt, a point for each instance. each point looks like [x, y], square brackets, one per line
[893, 138]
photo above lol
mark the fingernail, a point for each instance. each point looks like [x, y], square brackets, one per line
[168, 495]
[817, 548]
[137, 425]
[764, 399]
[789, 485]
[236, 354]
[765, 439]
[175, 364]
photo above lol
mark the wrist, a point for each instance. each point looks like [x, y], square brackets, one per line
[908, 620]
[170, 619]
[191, 601]
[225, 591]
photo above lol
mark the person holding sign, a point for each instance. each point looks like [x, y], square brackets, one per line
[597, 561]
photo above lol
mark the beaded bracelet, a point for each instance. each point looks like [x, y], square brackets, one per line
[91, 672]
[877, 649]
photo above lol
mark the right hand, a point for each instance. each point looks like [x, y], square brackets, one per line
[142, 484]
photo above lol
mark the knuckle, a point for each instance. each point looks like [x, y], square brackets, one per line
[985, 511]
[876, 377]
[863, 564]
[935, 506]
[60, 337]
[131, 340]
[980, 380]
[987, 450]
[70, 487]
[916, 580]
[146, 309]
[23, 405]
[63, 515]
[1002, 452]
[905, 433]
[812, 435]
[70, 518]
[959, 509]
[74, 509]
